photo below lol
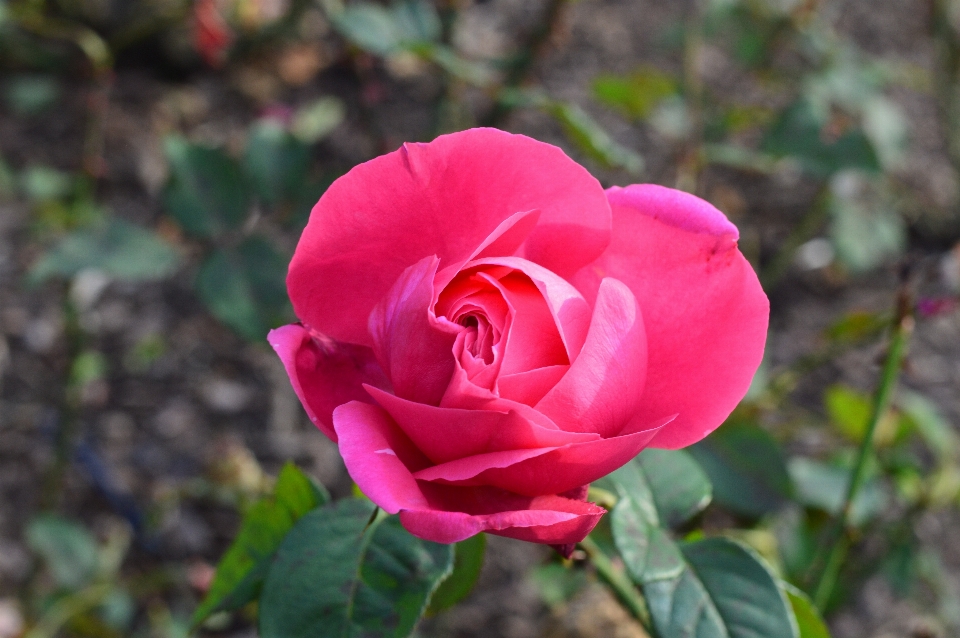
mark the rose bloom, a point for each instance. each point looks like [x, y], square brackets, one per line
[485, 330]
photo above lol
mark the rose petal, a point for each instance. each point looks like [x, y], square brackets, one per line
[444, 198]
[571, 312]
[530, 386]
[704, 310]
[458, 513]
[445, 434]
[414, 347]
[601, 391]
[543, 471]
[325, 374]
[378, 456]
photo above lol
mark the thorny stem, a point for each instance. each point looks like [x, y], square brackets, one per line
[837, 540]
[622, 587]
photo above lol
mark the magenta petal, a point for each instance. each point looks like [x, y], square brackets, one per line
[323, 373]
[458, 513]
[530, 386]
[444, 198]
[569, 309]
[601, 391]
[413, 346]
[544, 471]
[377, 455]
[704, 310]
[446, 434]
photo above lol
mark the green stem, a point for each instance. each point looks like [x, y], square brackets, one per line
[836, 540]
[621, 585]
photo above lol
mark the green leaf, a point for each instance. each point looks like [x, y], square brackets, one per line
[746, 467]
[416, 20]
[935, 430]
[41, 183]
[823, 486]
[276, 160]
[809, 622]
[207, 194]
[637, 94]
[369, 26]
[848, 409]
[647, 551]
[31, 94]
[67, 548]
[117, 248]
[338, 574]
[592, 139]
[314, 121]
[244, 287]
[680, 488]
[723, 591]
[244, 566]
[799, 133]
[467, 562]
[865, 225]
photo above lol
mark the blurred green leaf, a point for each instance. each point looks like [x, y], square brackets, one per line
[416, 20]
[857, 326]
[314, 121]
[636, 94]
[848, 410]
[67, 548]
[722, 590]
[339, 574]
[925, 416]
[467, 563]
[864, 227]
[592, 138]
[824, 486]
[244, 287]
[207, 193]
[8, 181]
[680, 488]
[88, 366]
[557, 583]
[799, 133]
[244, 566]
[116, 247]
[809, 622]
[276, 160]
[747, 468]
[446, 58]
[369, 26]
[31, 94]
[45, 183]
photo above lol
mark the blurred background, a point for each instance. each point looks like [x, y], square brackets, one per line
[158, 159]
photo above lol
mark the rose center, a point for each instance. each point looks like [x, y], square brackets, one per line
[478, 339]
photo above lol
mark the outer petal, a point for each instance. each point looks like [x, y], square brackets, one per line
[544, 471]
[448, 434]
[704, 310]
[413, 346]
[325, 374]
[377, 456]
[443, 198]
[462, 512]
[601, 391]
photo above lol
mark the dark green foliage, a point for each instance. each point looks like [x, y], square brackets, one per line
[244, 567]
[338, 574]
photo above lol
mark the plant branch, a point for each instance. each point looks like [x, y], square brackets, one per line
[836, 540]
[622, 587]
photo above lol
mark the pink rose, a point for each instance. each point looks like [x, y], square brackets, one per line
[485, 331]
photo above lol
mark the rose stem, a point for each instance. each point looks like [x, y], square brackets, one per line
[837, 540]
[618, 582]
